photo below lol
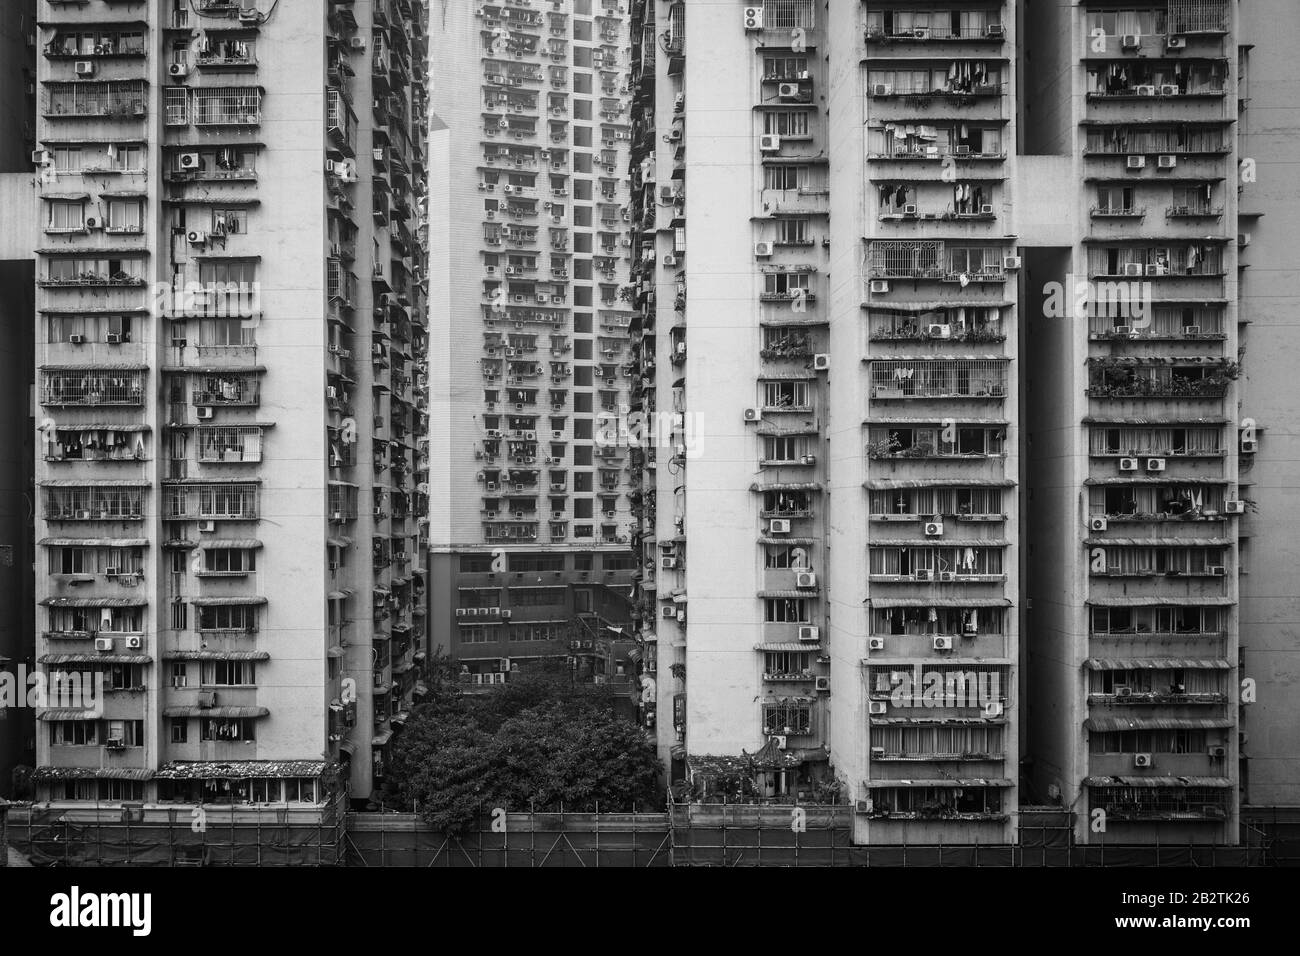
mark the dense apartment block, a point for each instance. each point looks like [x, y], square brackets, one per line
[977, 451]
[230, 338]
[530, 510]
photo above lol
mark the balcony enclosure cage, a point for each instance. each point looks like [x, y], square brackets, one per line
[955, 501]
[939, 378]
[97, 502]
[932, 259]
[124, 98]
[976, 559]
[217, 500]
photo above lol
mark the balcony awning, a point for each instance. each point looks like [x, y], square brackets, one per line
[1143, 361]
[246, 543]
[1154, 663]
[940, 782]
[935, 306]
[94, 542]
[1169, 601]
[773, 429]
[381, 740]
[240, 769]
[97, 367]
[1157, 782]
[216, 656]
[94, 483]
[937, 542]
[1177, 421]
[939, 721]
[807, 646]
[787, 486]
[1160, 542]
[891, 602]
[227, 601]
[228, 712]
[937, 357]
[94, 659]
[896, 484]
[794, 320]
[784, 540]
[790, 593]
[335, 652]
[90, 773]
[105, 426]
[787, 377]
[935, 421]
[1145, 480]
[216, 369]
[1107, 724]
[69, 713]
[94, 602]
[339, 542]
[339, 595]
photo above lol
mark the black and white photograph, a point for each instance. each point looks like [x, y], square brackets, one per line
[648, 434]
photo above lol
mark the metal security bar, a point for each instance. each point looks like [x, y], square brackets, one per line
[1198, 16]
[786, 15]
[944, 378]
[110, 99]
[94, 503]
[229, 443]
[92, 387]
[906, 258]
[942, 502]
[226, 106]
[220, 500]
[1111, 140]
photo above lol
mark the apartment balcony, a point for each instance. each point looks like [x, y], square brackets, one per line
[1138, 378]
[926, 378]
[124, 99]
[887, 33]
[100, 44]
[1162, 798]
[341, 122]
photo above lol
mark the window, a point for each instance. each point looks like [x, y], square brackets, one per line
[792, 231]
[785, 610]
[787, 719]
[791, 123]
[228, 617]
[785, 177]
[226, 728]
[232, 561]
[125, 215]
[180, 729]
[228, 674]
[66, 215]
[787, 662]
[784, 67]
[783, 448]
[74, 733]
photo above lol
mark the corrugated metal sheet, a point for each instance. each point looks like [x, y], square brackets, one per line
[230, 600]
[1161, 542]
[1157, 782]
[1154, 663]
[216, 656]
[94, 602]
[1122, 600]
[240, 769]
[894, 484]
[94, 659]
[229, 712]
[787, 486]
[1105, 724]
[940, 782]
[94, 542]
[937, 542]
[938, 602]
[1144, 480]
[788, 646]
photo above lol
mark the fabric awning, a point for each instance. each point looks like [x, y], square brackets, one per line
[381, 740]
[1108, 724]
[939, 721]
[216, 656]
[1177, 421]
[934, 306]
[783, 540]
[94, 483]
[94, 602]
[771, 429]
[945, 357]
[940, 782]
[936, 420]
[938, 602]
[229, 712]
[105, 426]
[1157, 782]
[1154, 663]
[232, 600]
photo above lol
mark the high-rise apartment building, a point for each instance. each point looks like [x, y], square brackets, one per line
[230, 337]
[530, 510]
[950, 297]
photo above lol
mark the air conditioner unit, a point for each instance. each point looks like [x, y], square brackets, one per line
[1234, 507]
[1146, 89]
[1191, 331]
[1097, 524]
[994, 30]
[821, 363]
[1166, 161]
[207, 527]
[947, 577]
[197, 237]
[134, 643]
[1122, 691]
[986, 209]
[778, 526]
[805, 579]
[1216, 570]
[923, 574]
[670, 260]
[1133, 268]
[115, 743]
[207, 699]
[1136, 162]
[188, 161]
[879, 286]
[882, 89]
[1176, 43]
[177, 69]
[1169, 89]
[85, 68]
[970, 630]
[113, 338]
[1124, 329]
[937, 331]
[910, 209]
[877, 707]
[769, 143]
[40, 157]
[1155, 464]
[762, 249]
[1143, 760]
[1130, 41]
[753, 19]
[203, 412]
[809, 633]
[788, 91]
[943, 643]
[667, 612]
[1249, 446]
[933, 529]
[668, 563]
[76, 339]
[1216, 751]
[753, 414]
[1128, 464]
[104, 644]
[1010, 263]
[822, 684]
